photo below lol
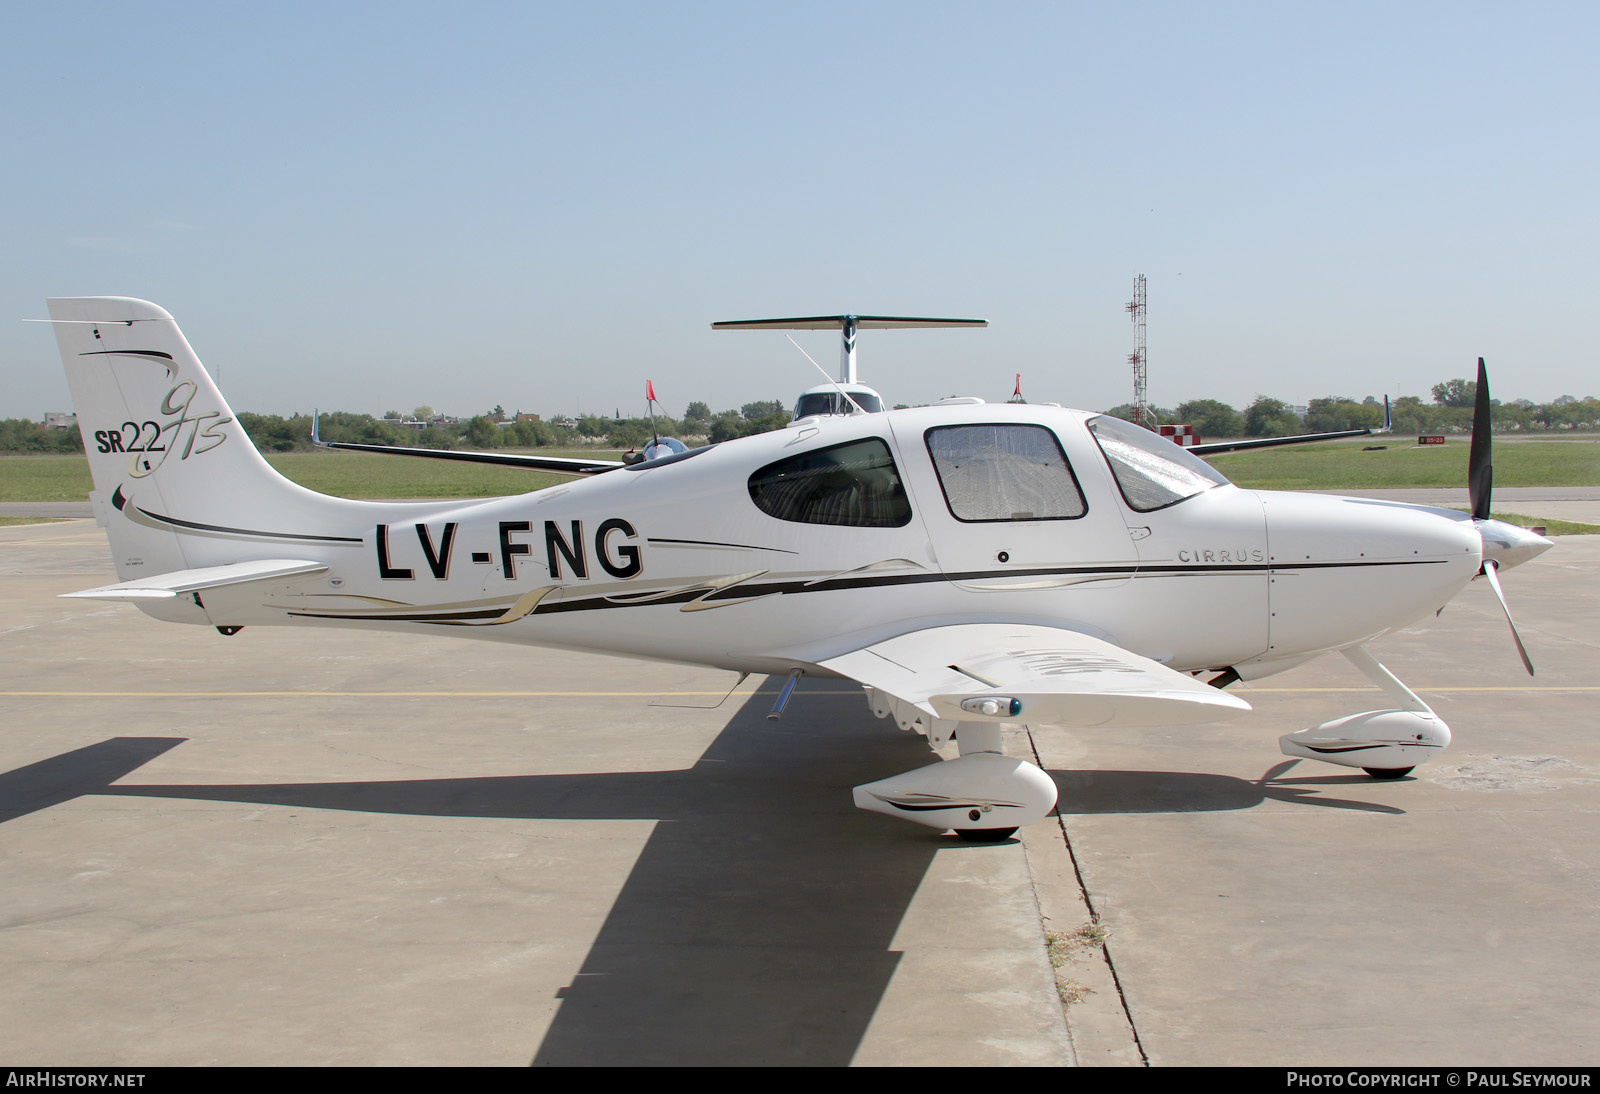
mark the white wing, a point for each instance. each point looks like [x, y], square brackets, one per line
[1038, 675]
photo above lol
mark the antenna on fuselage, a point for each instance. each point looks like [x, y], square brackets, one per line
[847, 399]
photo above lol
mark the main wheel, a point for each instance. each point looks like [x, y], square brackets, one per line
[985, 835]
[1388, 772]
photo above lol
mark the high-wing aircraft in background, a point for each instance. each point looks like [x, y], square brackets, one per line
[847, 395]
[969, 564]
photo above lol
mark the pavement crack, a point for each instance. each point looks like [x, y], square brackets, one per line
[1091, 935]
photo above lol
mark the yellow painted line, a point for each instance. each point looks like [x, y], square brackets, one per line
[628, 694]
[340, 694]
[1308, 691]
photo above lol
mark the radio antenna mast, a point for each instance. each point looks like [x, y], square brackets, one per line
[1142, 412]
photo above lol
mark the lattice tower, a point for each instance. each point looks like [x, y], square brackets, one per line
[1142, 412]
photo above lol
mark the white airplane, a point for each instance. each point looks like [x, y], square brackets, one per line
[970, 565]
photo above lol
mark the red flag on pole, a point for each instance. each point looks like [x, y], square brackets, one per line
[1019, 385]
[649, 391]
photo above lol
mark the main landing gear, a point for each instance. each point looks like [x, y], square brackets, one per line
[984, 795]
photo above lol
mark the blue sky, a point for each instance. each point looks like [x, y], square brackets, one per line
[376, 206]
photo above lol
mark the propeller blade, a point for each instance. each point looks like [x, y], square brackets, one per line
[1480, 467]
[1489, 571]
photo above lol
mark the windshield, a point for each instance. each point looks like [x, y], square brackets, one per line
[1150, 470]
[818, 403]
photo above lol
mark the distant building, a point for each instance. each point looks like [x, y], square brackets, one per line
[60, 419]
[418, 423]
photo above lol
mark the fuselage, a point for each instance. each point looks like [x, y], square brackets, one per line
[777, 551]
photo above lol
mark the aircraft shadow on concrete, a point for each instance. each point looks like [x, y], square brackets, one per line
[755, 927]
[1087, 791]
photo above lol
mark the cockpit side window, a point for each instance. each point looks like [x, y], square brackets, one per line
[855, 484]
[1004, 472]
[1150, 470]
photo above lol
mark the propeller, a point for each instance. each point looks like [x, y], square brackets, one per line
[1480, 465]
[1491, 571]
[1501, 542]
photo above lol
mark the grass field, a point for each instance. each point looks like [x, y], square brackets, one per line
[1345, 466]
[44, 478]
[360, 475]
[1551, 527]
[345, 474]
[1338, 466]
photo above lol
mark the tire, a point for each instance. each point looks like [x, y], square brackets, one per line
[985, 835]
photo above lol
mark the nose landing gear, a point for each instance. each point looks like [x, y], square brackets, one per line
[1386, 744]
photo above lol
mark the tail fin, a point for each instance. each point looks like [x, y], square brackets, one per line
[178, 484]
[71, 775]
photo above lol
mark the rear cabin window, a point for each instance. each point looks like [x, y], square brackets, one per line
[856, 485]
[1004, 472]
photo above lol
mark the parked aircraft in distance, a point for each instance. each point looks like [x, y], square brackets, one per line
[969, 564]
[847, 395]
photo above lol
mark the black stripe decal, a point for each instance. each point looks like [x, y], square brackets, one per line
[717, 543]
[410, 617]
[795, 586]
[768, 588]
[244, 531]
[126, 353]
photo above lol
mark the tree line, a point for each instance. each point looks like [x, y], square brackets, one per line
[1450, 412]
[493, 429]
[24, 435]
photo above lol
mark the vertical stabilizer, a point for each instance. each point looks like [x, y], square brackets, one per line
[177, 482]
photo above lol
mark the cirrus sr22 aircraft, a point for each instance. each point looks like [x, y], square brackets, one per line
[969, 565]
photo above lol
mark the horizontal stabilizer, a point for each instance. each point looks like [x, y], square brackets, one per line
[90, 770]
[837, 322]
[179, 582]
[1038, 675]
